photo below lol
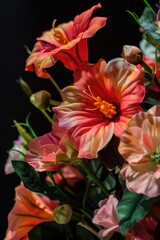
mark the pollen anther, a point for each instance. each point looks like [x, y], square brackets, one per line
[60, 36]
[108, 109]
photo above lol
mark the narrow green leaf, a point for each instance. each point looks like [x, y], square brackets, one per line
[148, 5]
[136, 18]
[130, 210]
[28, 175]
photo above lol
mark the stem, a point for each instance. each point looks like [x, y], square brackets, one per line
[55, 84]
[90, 172]
[89, 228]
[156, 57]
[146, 67]
[46, 115]
[148, 5]
[54, 102]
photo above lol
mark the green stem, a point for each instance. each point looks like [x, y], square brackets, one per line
[148, 5]
[146, 67]
[57, 187]
[89, 228]
[55, 84]
[46, 115]
[54, 102]
[156, 57]
[85, 166]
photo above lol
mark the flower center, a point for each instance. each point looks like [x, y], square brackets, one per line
[60, 36]
[108, 109]
[156, 156]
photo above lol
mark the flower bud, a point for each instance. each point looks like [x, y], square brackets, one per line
[132, 54]
[25, 87]
[41, 99]
[62, 214]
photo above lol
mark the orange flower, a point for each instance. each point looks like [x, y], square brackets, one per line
[29, 210]
[67, 42]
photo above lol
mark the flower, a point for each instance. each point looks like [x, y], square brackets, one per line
[139, 145]
[17, 152]
[48, 152]
[95, 174]
[66, 42]
[29, 210]
[106, 217]
[103, 98]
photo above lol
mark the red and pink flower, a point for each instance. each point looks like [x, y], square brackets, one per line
[103, 98]
[66, 42]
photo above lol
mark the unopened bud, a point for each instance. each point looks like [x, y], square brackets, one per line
[132, 54]
[26, 88]
[41, 99]
[62, 214]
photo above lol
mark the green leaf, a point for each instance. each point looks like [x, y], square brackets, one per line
[136, 18]
[152, 98]
[28, 175]
[147, 22]
[130, 210]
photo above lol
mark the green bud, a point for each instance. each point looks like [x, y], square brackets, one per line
[41, 99]
[25, 87]
[62, 214]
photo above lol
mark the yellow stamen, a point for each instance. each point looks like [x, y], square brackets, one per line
[60, 36]
[108, 109]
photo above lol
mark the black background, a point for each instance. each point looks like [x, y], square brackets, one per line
[21, 21]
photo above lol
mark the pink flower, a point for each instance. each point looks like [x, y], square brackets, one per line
[48, 151]
[67, 42]
[29, 210]
[103, 98]
[140, 146]
[106, 217]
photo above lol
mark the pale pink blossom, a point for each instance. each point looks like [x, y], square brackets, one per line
[103, 98]
[140, 146]
[17, 152]
[106, 217]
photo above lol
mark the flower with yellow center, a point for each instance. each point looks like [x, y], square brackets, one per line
[103, 98]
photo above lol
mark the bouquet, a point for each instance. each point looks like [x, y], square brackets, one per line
[96, 173]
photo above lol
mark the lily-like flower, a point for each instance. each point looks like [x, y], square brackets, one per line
[103, 98]
[140, 146]
[66, 42]
[47, 152]
[29, 210]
